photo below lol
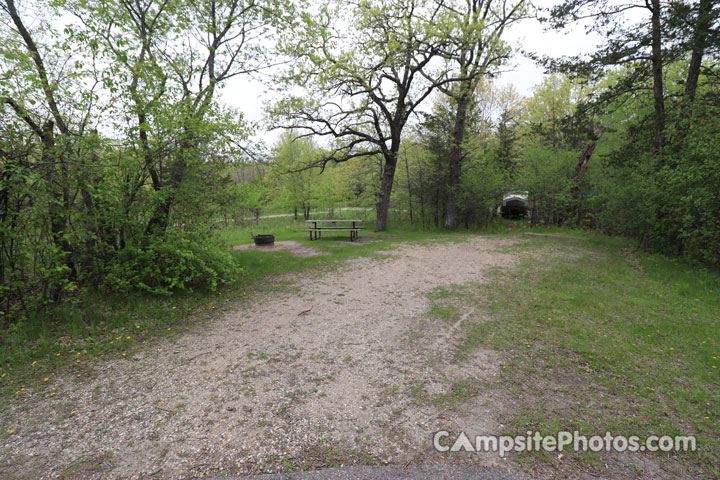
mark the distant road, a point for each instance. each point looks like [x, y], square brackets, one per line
[281, 215]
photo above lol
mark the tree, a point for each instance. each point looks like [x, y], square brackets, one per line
[551, 114]
[299, 184]
[173, 56]
[42, 102]
[113, 139]
[474, 49]
[637, 46]
[547, 176]
[480, 145]
[363, 83]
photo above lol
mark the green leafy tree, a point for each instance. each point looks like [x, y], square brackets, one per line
[475, 50]
[295, 181]
[363, 83]
[113, 139]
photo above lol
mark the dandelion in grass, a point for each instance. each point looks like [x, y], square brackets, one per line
[127, 338]
[73, 412]
[46, 379]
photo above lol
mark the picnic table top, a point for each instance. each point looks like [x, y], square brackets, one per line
[331, 221]
[332, 229]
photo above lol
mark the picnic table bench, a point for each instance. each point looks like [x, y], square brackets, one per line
[317, 230]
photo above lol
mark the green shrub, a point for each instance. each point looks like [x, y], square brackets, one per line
[174, 262]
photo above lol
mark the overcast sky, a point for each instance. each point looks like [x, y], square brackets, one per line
[248, 95]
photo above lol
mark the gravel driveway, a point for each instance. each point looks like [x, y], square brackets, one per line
[330, 369]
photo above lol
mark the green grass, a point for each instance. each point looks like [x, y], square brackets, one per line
[444, 302]
[621, 341]
[600, 338]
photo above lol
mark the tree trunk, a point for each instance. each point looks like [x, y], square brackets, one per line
[386, 190]
[407, 175]
[657, 71]
[699, 43]
[456, 156]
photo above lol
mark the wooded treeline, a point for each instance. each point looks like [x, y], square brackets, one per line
[114, 143]
[118, 160]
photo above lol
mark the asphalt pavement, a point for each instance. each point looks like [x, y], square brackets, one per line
[395, 472]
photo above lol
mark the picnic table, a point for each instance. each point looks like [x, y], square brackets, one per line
[349, 226]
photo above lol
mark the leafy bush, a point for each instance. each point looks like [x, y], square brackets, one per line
[175, 262]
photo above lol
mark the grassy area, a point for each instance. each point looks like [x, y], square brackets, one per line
[595, 336]
[600, 338]
[99, 324]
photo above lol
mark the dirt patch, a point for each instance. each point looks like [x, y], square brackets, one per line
[295, 248]
[337, 242]
[351, 363]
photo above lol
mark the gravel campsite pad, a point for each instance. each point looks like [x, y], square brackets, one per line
[316, 373]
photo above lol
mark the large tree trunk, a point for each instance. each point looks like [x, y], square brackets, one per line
[456, 156]
[657, 72]
[409, 190]
[699, 40]
[388, 177]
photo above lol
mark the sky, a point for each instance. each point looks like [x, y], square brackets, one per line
[248, 95]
